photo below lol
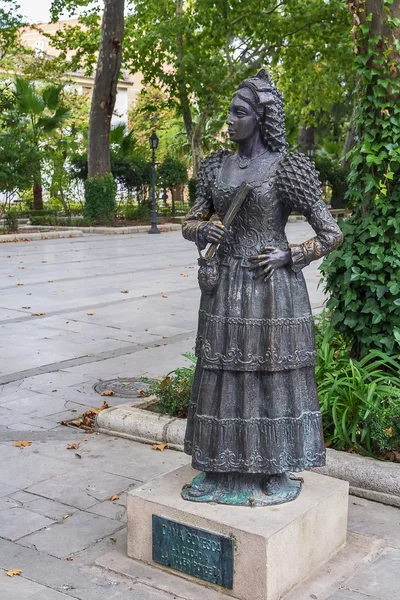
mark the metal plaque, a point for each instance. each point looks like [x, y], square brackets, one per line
[194, 551]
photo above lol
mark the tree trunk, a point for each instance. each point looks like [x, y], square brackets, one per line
[105, 88]
[306, 139]
[37, 196]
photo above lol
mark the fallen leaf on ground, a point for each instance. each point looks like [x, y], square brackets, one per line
[90, 314]
[19, 284]
[108, 393]
[38, 314]
[21, 267]
[184, 275]
[11, 276]
[65, 517]
[50, 281]
[163, 296]
[171, 265]
[69, 559]
[125, 292]
[113, 498]
[26, 307]
[73, 447]
[14, 572]
[160, 447]
[22, 444]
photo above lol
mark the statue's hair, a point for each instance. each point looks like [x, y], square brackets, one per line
[268, 105]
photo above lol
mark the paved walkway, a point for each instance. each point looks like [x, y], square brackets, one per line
[73, 312]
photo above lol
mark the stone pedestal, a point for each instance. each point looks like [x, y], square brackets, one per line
[275, 548]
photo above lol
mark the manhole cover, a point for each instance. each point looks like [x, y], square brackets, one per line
[130, 387]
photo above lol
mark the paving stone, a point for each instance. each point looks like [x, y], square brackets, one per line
[379, 579]
[18, 522]
[368, 518]
[7, 502]
[47, 594]
[49, 508]
[111, 510]
[81, 487]
[18, 588]
[59, 575]
[349, 595]
[6, 490]
[71, 535]
[144, 592]
[25, 469]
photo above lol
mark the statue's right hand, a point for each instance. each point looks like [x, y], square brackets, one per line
[214, 232]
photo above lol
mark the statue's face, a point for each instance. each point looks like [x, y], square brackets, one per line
[242, 121]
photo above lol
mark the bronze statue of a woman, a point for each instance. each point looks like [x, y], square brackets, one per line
[254, 414]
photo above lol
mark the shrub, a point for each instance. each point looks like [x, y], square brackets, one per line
[173, 391]
[11, 221]
[360, 400]
[100, 193]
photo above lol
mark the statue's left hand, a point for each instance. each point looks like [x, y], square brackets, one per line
[271, 259]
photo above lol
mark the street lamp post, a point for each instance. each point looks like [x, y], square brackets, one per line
[153, 145]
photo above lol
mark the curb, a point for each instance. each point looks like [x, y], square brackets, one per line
[369, 478]
[163, 227]
[48, 235]
[133, 423]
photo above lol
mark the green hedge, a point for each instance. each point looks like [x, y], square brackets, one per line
[100, 193]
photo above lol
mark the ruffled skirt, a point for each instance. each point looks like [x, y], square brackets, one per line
[254, 405]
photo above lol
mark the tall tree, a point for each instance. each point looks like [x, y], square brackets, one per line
[105, 88]
[363, 275]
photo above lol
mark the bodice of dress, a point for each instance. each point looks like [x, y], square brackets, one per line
[291, 185]
[260, 222]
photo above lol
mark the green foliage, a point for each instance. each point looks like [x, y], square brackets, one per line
[100, 204]
[362, 277]
[360, 400]
[172, 172]
[332, 174]
[173, 391]
[57, 221]
[11, 221]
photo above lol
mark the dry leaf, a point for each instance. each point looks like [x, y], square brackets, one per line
[184, 275]
[160, 447]
[113, 498]
[26, 307]
[163, 296]
[65, 517]
[21, 267]
[108, 393]
[171, 265]
[125, 292]
[22, 444]
[73, 447]
[11, 276]
[38, 314]
[19, 284]
[70, 559]
[14, 572]
[90, 314]
[50, 281]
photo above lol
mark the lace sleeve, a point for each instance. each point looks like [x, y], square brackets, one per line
[300, 190]
[203, 208]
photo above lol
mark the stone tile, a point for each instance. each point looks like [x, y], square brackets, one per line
[28, 468]
[349, 595]
[111, 510]
[60, 575]
[7, 502]
[72, 535]
[18, 522]
[48, 594]
[82, 487]
[49, 508]
[18, 588]
[368, 518]
[5, 490]
[38, 405]
[144, 592]
[379, 579]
